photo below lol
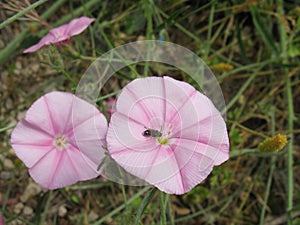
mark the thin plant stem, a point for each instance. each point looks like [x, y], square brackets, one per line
[148, 6]
[244, 86]
[106, 38]
[67, 75]
[145, 202]
[21, 13]
[44, 215]
[290, 179]
[163, 218]
[269, 182]
[6, 128]
[121, 207]
[210, 25]
[124, 196]
[169, 210]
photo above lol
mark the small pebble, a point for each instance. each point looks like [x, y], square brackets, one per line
[27, 211]
[5, 175]
[18, 208]
[93, 216]
[35, 67]
[32, 189]
[62, 211]
[8, 164]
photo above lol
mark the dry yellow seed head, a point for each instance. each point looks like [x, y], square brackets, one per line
[274, 144]
[221, 67]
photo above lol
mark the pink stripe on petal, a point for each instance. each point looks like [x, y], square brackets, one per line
[36, 153]
[126, 133]
[39, 115]
[173, 185]
[92, 150]
[138, 163]
[59, 106]
[211, 131]
[185, 149]
[25, 133]
[85, 169]
[64, 174]
[45, 169]
[140, 103]
[177, 93]
[192, 168]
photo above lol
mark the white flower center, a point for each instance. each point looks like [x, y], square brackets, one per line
[166, 135]
[61, 142]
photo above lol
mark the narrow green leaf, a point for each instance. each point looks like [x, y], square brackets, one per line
[144, 205]
[262, 30]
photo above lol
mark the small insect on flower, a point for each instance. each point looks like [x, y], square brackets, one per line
[152, 133]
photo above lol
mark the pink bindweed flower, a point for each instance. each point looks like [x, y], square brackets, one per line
[61, 34]
[167, 133]
[60, 140]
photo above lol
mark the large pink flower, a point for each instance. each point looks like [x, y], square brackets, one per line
[62, 33]
[60, 140]
[167, 133]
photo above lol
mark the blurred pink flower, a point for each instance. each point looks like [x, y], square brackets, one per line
[60, 140]
[110, 106]
[167, 133]
[1, 221]
[62, 33]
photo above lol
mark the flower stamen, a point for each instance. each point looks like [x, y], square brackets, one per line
[61, 142]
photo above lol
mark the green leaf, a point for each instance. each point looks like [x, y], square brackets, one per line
[144, 204]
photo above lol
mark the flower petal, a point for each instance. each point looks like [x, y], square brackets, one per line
[23, 142]
[143, 100]
[49, 38]
[62, 168]
[76, 26]
[89, 134]
[126, 134]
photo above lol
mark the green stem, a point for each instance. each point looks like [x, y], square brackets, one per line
[110, 45]
[210, 25]
[68, 77]
[169, 210]
[290, 149]
[144, 205]
[149, 32]
[121, 207]
[124, 195]
[290, 180]
[163, 218]
[269, 182]
[7, 128]
[245, 85]
[44, 215]
[21, 13]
